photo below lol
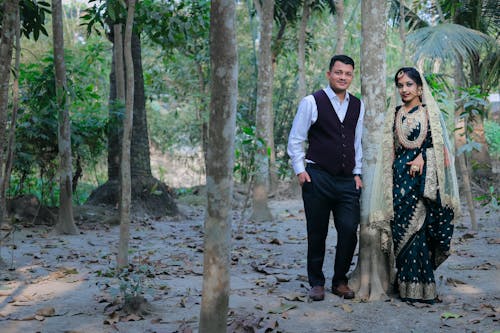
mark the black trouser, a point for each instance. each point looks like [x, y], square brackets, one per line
[324, 194]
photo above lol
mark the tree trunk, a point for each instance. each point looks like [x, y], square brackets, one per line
[125, 175]
[140, 156]
[294, 187]
[148, 194]
[263, 113]
[224, 93]
[301, 50]
[8, 32]
[4, 186]
[371, 277]
[339, 12]
[201, 110]
[402, 31]
[65, 223]
[461, 139]
[115, 120]
[119, 106]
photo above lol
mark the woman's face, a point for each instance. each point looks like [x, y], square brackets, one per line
[408, 90]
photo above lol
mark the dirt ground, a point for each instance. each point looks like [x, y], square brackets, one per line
[67, 284]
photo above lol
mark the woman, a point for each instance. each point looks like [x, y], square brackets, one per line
[417, 209]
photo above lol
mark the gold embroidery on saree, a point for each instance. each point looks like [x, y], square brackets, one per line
[416, 222]
[431, 185]
[417, 290]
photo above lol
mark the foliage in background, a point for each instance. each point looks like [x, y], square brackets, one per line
[475, 106]
[36, 151]
[176, 63]
[492, 131]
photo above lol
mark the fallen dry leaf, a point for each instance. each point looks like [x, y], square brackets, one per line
[131, 317]
[283, 278]
[295, 297]
[344, 329]
[48, 311]
[113, 318]
[346, 307]
[453, 282]
[283, 308]
[485, 266]
[276, 241]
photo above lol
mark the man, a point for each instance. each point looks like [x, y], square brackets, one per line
[331, 121]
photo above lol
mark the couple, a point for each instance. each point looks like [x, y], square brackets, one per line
[414, 195]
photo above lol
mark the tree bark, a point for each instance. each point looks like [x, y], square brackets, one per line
[9, 161]
[125, 174]
[301, 49]
[263, 114]
[222, 124]
[371, 277]
[148, 194]
[460, 140]
[65, 223]
[339, 12]
[10, 9]
[402, 31]
[140, 156]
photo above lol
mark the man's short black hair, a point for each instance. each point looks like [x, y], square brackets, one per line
[342, 58]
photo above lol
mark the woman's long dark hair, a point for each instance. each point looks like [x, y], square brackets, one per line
[412, 74]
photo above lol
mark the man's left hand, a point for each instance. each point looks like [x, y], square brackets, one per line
[359, 182]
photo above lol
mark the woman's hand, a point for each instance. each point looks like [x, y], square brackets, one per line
[416, 166]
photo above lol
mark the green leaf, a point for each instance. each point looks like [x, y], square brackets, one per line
[448, 315]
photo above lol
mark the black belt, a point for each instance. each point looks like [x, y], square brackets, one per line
[317, 167]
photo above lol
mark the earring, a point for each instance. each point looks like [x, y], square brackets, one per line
[419, 92]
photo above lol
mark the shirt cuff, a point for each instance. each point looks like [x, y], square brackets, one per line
[299, 168]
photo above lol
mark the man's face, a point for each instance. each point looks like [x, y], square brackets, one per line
[340, 77]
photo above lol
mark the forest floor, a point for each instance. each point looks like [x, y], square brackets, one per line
[67, 284]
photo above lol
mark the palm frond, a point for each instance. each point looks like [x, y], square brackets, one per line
[446, 41]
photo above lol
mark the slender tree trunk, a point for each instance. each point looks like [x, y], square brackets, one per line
[372, 274]
[301, 49]
[294, 187]
[66, 223]
[339, 13]
[201, 111]
[114, 129]
[160, 201]
[8, 32]
[13, 119]
[460, 140]
[263, 113]
[482, 156]
[119, 66]
[125, 175]
[402, 31]
[224, 93]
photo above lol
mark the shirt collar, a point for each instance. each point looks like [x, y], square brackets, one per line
[332, 96]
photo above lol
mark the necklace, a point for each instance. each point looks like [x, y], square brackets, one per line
[407, 122]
